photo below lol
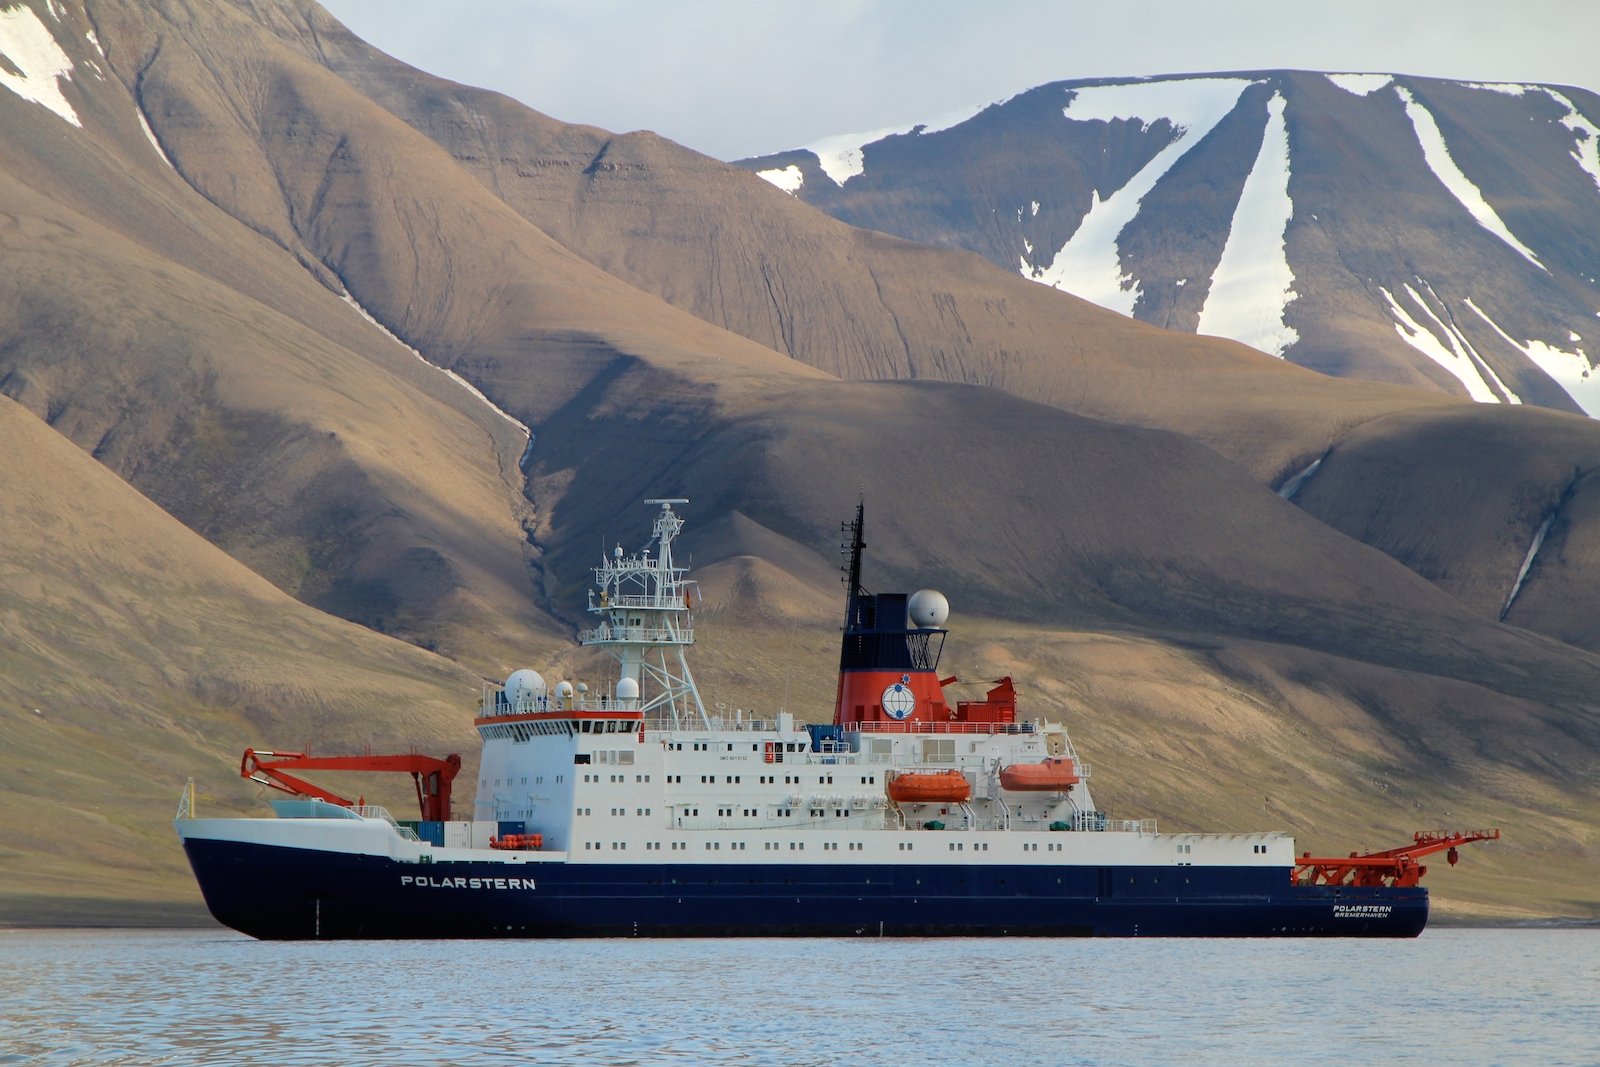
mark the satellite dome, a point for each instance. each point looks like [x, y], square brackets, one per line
[928, 608]
[616, 553]
[628, 689]
[583, 687]
[524, 685]
[563, 689]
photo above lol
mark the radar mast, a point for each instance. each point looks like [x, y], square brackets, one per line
[645, 604]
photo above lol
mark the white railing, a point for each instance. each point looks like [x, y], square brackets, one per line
[638, 635]
[913, 727]
[1097, 821]
[186, 801]
[649, 603]
[377, 811]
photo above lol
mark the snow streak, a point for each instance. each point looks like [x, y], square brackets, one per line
[1089, 264]
[452, 375]
[1252, 285]
[1459, 359]
[1289, 488]
[29, 46]
[1527, 563]
[1460, 186]
[841, 158]
[1571, 370]
[150, 135]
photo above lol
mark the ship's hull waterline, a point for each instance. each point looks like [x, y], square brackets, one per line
[278, 893]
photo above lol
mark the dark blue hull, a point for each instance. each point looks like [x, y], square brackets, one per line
[281, 893]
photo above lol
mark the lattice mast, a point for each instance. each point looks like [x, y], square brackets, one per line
[645, 604]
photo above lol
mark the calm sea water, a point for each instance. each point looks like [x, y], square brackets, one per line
[1458, 997]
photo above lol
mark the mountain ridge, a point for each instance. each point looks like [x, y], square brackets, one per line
[1127, 190]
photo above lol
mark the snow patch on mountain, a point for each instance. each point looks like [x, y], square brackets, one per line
[1361, 84]
[1089, 264]
[1460, 186]
[1587, 149]
[1571, 370]
[150, 135]
[447, 372]
[1458, 340]
[1252, 285]
[31, 48]
[1290, 488]
[841, 156]
[789, 178]
[1527, 563]
[1504, 88]
[1452, 359]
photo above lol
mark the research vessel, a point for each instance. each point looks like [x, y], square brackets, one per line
[633, 810]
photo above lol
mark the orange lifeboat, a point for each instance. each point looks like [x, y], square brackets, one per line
[929, 787]
[518, 841]
[1054, 774]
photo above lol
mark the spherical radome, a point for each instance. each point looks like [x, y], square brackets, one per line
[526, 684]
[628, 689]
[928, 607]
[563, 690]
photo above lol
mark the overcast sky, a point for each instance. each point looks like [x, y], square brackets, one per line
[735, 78]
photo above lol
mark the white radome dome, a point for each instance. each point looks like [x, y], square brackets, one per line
[628, 689]
[526, 684]
[563, 689]
[928, 608]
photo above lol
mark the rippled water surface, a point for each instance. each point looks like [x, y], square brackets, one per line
[1462, 997]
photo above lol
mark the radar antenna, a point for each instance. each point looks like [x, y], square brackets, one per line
[645, 604]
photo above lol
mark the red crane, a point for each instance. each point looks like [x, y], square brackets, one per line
[432, 776]
[1392, 867]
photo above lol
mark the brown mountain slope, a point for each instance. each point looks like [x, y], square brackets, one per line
[133, 653]
[729, 248]
[345, 165]
[861, 305]
[180, 348]
[1176, 538]
[1462, 466]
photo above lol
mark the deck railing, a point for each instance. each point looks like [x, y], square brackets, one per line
[377, 811]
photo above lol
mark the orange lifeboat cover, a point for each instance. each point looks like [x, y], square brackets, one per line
[1055, 773]
[928, 787]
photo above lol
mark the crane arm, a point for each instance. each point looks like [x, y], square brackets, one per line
[1391, 867]
[432, 776]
